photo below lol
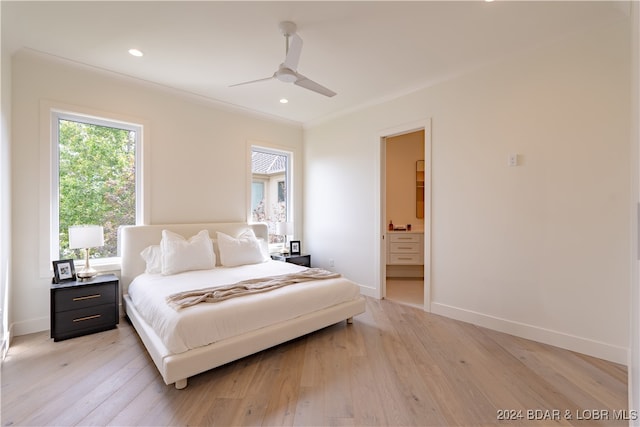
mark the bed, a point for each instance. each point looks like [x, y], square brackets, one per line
[185, 341]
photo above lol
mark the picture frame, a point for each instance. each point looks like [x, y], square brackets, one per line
[64, 271]
[294, 247]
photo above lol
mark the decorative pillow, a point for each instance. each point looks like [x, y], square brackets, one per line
[216, 251]
[264, 245]
[179, 254]
[152, 255]
[246, 249]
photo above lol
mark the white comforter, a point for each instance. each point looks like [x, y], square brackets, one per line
[210, 322]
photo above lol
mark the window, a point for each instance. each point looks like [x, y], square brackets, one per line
[271, 188]
[282, 191]
[96, 180]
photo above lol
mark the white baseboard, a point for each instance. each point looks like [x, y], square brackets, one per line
[6, 342]
[582, 345]
[370, 292]
[31, 326]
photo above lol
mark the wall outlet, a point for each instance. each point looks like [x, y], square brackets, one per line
[512, 160]
[331, 263]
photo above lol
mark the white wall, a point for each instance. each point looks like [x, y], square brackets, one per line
[5, 200]
[539, 250]
[198, 159]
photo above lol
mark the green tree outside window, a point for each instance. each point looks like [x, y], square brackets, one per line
[97, 183]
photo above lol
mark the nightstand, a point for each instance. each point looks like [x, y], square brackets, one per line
[81, 308]
[303, 260]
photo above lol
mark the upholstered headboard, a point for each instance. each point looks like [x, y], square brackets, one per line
[133, 239]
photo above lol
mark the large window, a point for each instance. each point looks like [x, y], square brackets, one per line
[271, 189]
[95, 179]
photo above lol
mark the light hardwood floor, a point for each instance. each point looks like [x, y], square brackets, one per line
[395, 365]
[406, 290]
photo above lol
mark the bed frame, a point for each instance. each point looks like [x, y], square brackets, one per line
[176, 368]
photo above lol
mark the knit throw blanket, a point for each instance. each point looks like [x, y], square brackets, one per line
[181, 300]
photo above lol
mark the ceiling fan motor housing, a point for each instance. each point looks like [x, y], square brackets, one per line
[288, 28]
[286, 75]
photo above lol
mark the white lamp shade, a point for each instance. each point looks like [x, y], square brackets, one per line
[284, 228]
[85, 236]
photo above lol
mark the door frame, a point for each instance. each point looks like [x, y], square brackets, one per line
[381, 226]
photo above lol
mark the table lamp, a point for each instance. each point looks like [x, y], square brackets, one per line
[284, 229]
[85, 237]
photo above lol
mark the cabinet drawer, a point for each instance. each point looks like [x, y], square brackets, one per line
[304, 261]
[93, 318]
[404, 248]
[410, 237]
[85, 296]
[409, 259]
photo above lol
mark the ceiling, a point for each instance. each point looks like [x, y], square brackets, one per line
[367, 52]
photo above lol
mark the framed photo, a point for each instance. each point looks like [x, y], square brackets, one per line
[294, 247]
[63, 271]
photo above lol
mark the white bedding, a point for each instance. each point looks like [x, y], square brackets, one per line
[206, 323]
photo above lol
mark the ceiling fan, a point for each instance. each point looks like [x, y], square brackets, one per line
[287, 71]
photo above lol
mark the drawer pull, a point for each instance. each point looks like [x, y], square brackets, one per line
[404, 247]
[87, 297]
[82, 319]
[403, 258]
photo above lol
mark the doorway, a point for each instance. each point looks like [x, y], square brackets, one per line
[405, 214]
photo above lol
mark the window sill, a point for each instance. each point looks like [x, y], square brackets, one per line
[105, 265]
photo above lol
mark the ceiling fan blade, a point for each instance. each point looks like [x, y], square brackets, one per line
[253, 81]
[311, 85]
[293, 52]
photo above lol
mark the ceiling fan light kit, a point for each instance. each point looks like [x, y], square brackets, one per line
[287, 71]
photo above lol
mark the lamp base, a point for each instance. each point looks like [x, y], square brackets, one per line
[285, 247]
[86, 274]
[87, 271]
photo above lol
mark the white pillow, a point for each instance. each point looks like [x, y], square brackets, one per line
[179, 254]
[246, 249]
[152, 255]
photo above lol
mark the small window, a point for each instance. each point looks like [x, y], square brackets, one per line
[95, 180]
[282, 192]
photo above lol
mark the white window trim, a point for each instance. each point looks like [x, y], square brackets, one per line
[49, 113]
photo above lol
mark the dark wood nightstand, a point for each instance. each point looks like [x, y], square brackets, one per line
[81, 308]
[303, 260]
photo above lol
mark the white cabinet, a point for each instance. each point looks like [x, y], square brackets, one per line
[405, 248]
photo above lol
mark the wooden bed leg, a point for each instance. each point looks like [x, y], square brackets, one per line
[180, 384]
[350, 320]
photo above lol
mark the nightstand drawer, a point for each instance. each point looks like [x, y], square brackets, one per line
[303, 260]
[85, 296]
[73, 321]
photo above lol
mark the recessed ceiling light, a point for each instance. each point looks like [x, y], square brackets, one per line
[135, 52]
[284, 101]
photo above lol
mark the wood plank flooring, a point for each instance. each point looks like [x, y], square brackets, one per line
[406, 290]
[395, 366]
